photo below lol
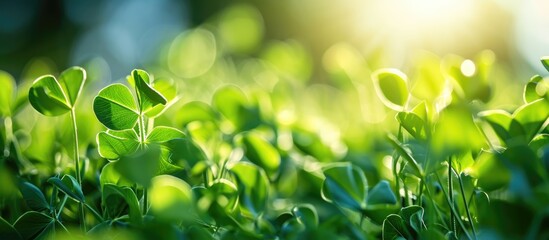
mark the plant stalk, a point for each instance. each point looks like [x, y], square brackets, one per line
[467, 207]
[451, 197]
[77, 167]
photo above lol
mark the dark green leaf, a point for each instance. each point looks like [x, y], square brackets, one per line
[33, 196]
[116, 199]
[253, 186]
[7, 231]
[69, 186]
[345, 185]
[394, 227]
[391, 87]
[115, 107]
[140, 166]
[381, 193]
[72, 80]
[113, 144]
[47, 97]
[32, 224]
[307, 215]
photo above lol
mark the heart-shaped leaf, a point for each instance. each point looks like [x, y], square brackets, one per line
[530, 93]
[72, 80]
[345, 185]
[391, 87]
[7, 93]
[163, 134]
[171, 198]
[381, 193]
[33, 196]
[115, 107]
[113, 144]
[253, 186]
[69, 186]
[262, 153]
[47, 97]
[116, 199]
[147, 97]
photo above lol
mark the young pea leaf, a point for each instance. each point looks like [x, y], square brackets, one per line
[531, 116]
[500, 121]
[7, 231]
[415, 122]
[7, 94]
[167, 88]
[394, 228]
[115, 107]
[147, 97]
[47, 97]
[195, 111]
[109, 175]
[72, 80]
[405, 153]
[113, 144]
[484, 169]
[225, 194]
[381, 193]
[391, 87]
[33, 196]
[115, 199]
[345, 185]
[253, 186]
[234, 105]
[262, 153]
[163, 134]
[186, 151]
[171, 198]
[530, 93]
[69, 186]
[32, 224]
[166, 164]
[545, 62]
[407, 214]
[307, 215]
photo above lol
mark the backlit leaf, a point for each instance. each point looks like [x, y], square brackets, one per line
[115, 107]
[72, 80]
[261, 152]
[47, 97]
[7, 93]
[391, 87]
[113, 144]
[171, 198]
[162, 134]
[147, 97]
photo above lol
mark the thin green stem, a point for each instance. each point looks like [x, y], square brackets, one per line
[77, 166]
[453, 209]
[467, 207]
[145, 200]
[95, 213]
[62, 206]
[451, 196]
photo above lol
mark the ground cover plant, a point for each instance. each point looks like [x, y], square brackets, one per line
[145, 158]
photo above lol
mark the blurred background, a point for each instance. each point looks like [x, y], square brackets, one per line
[329, 48]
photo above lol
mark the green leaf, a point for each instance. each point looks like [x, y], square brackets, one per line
[69, 186]
[531, 117]
[115, 107]
[307, 215]
[262, 153]
[116, 200]
[147, 97]
[33, 196]
[33, 224]
[110, 175]
[7, 231]
[499, 120]
[163, 134]
[406, 154]
[72, 80]
[391, 87]
[345, 185]
[113, 144]
[166, 164]
[195, 111]
[185, 151]
[381, 193]
[429, 83]
[47, 97]
[394, 227]
[545, 62]
[491, 172]
[234, 105]
[167, 88]
[415, 122]
[253, 186]
[140, 166]
[407, 214]
[171, 198]
[530, 94]
[7, 94]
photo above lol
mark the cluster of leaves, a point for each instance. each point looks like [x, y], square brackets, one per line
[229, 169]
